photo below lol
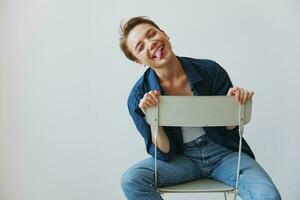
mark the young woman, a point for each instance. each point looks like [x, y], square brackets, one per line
[184, 153]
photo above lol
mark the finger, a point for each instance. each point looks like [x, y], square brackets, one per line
[245, 97]
[231, 91]
[154, 96]
[237, 94]
[148, 103]
[145, 105]
[157, 92]
[241, 95]
[150, 98]
[250, 94]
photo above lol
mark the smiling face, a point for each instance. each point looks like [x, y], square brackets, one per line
[149, 45]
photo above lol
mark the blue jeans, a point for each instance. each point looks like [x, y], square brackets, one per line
[201, 158]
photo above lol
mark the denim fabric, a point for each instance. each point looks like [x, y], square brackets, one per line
[201, 158]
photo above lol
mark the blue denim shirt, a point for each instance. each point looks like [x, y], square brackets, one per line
[205, 77]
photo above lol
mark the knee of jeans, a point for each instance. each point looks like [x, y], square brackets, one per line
[273, 193]
[137, 177]
[266, 192]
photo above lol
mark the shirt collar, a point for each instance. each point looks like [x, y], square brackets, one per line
[192, 74]
[153, 81]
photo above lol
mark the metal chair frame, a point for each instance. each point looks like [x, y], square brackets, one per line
[201, 111]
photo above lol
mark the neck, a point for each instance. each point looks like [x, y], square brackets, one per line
[171, 71]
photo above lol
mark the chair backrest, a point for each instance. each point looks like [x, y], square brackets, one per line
[199, 111]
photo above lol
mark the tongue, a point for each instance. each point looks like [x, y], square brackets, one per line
[158, 54]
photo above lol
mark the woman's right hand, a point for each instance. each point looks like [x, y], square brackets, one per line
[150, 99]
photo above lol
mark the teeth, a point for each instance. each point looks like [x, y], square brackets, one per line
[159, 49]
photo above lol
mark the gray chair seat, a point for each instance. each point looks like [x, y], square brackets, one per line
[200, 185]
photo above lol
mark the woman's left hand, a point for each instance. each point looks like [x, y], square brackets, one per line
[241, 94]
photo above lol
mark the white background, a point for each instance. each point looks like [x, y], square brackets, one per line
[65, 132]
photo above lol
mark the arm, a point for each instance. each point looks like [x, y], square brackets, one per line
[222, 85]
[151, 99]
[144, 128]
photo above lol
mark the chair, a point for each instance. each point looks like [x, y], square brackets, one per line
[199, 111]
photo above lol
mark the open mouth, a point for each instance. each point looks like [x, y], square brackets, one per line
[159, 52]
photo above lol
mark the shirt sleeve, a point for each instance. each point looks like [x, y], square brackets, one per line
[221, 85]
[144, 128]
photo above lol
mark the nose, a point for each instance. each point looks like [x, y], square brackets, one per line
[152, 44]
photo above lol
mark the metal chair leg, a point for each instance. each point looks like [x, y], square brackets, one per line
[230, 195]
[225, 195]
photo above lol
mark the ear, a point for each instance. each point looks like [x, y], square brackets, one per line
[138, 62]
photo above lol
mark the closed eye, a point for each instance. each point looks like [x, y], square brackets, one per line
[141, 48]
[152, 34]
